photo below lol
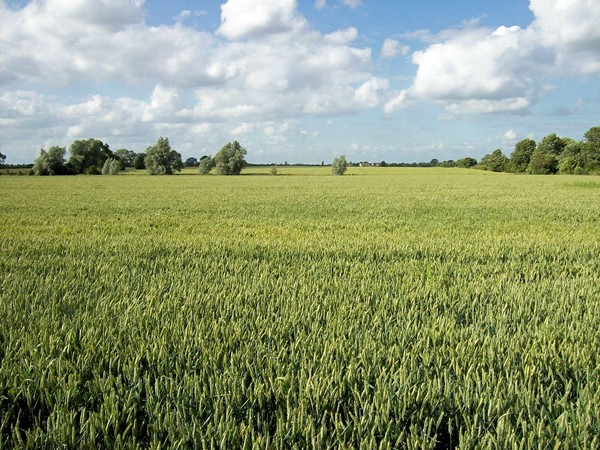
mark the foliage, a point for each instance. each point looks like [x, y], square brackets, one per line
[495, 161]
[552, 145]
[191, 162]
[542, 163]
[2, 159]
[112, 166]
[127, 157]
[51, 162]
[139, 162]
[161, 159]
[520, 157]
[88, 156]
[339, 165]
[207, 163]
[273, 169]
[466, 163]
[230, 159]
[455, 311]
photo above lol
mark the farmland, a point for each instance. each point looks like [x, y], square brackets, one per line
[388, 308]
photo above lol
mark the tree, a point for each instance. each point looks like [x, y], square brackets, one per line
[552, 145]
[591, 149]
[191, 162]
[112, 166]
[466, 163]
[230, 159]
[339, 165]
[127, 157]
[571, 160]
[51, 162]
[207, 163]
[273, 169]
[2, 159]
[592, 136]
[542, 163]
[88, 156]
[495, 161]
[161, 159]
[433, 163]
[520, 157]
[139, 162]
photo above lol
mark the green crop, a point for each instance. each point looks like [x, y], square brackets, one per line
[396, 308]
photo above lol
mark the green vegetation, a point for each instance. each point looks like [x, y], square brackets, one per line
[339, 165]
[160, 159]
[423, 308]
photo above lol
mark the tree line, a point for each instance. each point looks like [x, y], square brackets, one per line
[553, 154]
[94, 157]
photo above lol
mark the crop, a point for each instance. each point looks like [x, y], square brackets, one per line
[441, 308]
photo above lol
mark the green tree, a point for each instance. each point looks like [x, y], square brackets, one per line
[207, 163]
[552, 145]
[592, 136]
[2, 159]
[542, 163]
[51, 162]
[127, 157]
[591, 150]
[520, 157]
[112, 166]
[339, 165]
[191, 162]
[571, 160]
[161, 159]
[495, 161]
[88, 156]
[139, 162]
[230, 159]
[466, 163]
[273, 169]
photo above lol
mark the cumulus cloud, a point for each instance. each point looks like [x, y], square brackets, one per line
[243, 19]
[372, 92]
[392, 48]
[476, 70]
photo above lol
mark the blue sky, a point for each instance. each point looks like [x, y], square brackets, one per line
[298, 81]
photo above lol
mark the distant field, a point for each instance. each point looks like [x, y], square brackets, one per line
[428, 308]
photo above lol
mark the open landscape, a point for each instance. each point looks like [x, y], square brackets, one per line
[388, 308]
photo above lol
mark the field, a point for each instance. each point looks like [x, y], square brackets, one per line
[388, 308]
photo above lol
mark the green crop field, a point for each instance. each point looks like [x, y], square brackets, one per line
[387, 308]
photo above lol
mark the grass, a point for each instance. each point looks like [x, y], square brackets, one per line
[435, 308]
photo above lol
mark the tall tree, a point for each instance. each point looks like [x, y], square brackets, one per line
[339, 165]
[161, 159]
[2, 158]
[127, 157]
[495, 161]
[139, 162]
[230, 159]
[207, 163]
[552, 145]
[51, 162]
[88, 156]
[520, 157]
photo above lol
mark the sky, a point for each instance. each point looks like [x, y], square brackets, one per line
[298, 80]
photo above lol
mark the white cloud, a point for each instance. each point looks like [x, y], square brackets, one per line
[475, 70]
[320, 4]
[243, 19]
[510, 135]
[344, 36]
[371, 92]
[352, 3]
[392, 48]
